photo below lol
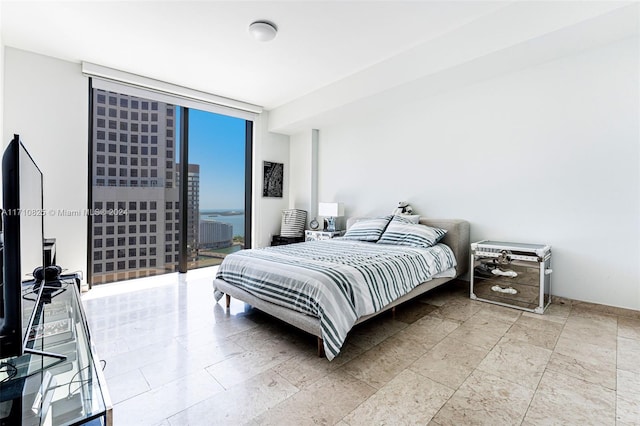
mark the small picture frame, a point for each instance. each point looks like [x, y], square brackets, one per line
[273, 176]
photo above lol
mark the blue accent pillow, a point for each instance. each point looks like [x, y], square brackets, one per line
[409, 234]
[367, 229]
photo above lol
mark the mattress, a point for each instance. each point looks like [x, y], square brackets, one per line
[336, 281]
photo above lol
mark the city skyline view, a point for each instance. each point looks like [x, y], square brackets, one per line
[136, 168]
[217, 144]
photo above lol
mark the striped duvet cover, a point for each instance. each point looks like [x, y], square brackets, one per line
[337, 281]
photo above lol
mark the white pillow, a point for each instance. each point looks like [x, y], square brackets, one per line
[367, 229]
[407, 218]
[409, 234]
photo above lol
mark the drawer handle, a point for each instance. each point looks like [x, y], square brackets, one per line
[508, 290]
[508, 273]
[548, 271]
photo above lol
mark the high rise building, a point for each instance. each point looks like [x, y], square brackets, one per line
[214, 234]
[193, 208]
[135, 192]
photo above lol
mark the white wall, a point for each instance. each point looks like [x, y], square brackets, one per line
[46, 103]
[267, 211]
[549, 155]
[301, 170]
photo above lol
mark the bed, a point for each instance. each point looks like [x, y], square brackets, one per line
[287, 281]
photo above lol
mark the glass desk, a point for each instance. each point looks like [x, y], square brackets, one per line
[59, 380]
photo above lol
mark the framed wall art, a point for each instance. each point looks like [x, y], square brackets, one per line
[273, 175]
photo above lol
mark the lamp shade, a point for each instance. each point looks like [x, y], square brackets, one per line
[330, 209]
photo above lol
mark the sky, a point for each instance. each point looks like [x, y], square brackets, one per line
[217, 144]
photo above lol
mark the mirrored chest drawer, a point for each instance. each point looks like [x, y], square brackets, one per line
[516, 275]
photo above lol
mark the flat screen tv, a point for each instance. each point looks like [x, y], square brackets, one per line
[23, 250]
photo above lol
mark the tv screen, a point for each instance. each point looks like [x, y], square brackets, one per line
[23, 222]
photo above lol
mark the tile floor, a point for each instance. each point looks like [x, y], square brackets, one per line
[175, 357]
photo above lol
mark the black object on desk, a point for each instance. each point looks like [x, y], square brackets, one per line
[278, 240]
[49, 252]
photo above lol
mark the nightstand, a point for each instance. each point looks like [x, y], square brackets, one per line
[516, 275]
[321, 235]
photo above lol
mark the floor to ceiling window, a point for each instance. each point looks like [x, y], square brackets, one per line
[144, 221]
[216, 188]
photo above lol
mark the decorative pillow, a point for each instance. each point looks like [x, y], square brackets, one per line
[367, 229]
[407, 218]
[409, 234]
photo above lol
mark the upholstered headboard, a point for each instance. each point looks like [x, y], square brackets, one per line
[457, 238]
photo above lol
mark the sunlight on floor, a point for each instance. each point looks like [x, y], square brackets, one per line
[137, 284]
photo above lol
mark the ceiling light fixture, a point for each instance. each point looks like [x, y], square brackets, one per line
[263, 30]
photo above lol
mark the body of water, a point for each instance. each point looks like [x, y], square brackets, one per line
[234, 217]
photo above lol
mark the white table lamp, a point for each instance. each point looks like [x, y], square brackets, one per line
[330, 211]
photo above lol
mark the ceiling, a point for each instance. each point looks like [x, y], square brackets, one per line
[205, 45]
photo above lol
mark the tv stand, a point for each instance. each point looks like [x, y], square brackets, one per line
[58, 379]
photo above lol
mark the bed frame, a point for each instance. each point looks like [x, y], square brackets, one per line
[457, 238]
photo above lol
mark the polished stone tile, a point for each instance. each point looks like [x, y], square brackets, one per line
[140, 339]
[127, 385]
[482, 329]
[236, 369]
[239, 404]
[555, 312]
[154, 406]
[374, 331]
[591, 330]
[211, 351]
[430, 330]
[629, 354]
[408, 399]
[162, 372]
[303, 370]
[628, 397]
[458, 309]
[453, 290]
[610, 310]
[406, 345]
[486, 399]
[517, 361]
[562, 399]
[165, 342]
[449, 362]
[586, 310]
[274, 334]
[629, 328]
[108, 347]
[535, 331]
[376, 367]
[218, 331]
[629, 384]
[592, 363]
[627, 411]
[412, 311]
[168, 351]
[326, 401]
[491, 312]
